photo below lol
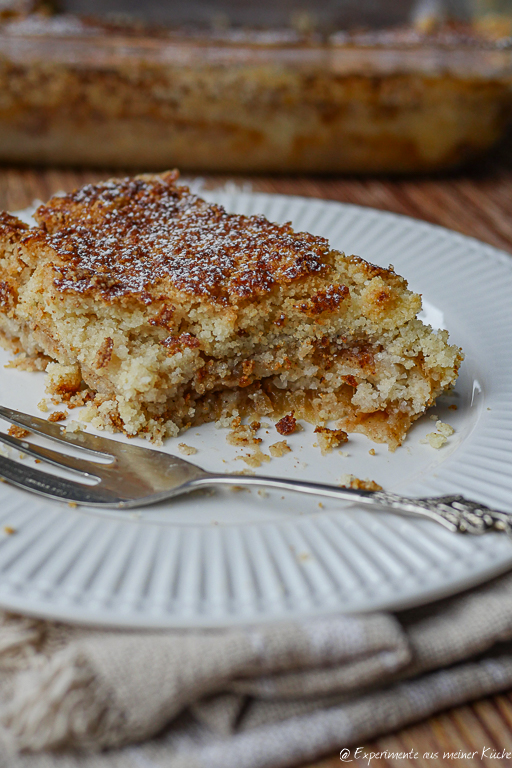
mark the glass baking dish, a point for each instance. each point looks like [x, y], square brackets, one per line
[262, 101]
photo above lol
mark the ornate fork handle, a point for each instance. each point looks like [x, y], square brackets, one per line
[454, 512]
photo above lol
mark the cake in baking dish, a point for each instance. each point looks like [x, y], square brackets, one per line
[171, 312]
[77, 90]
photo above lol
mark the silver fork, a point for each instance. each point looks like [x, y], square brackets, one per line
[135, 477]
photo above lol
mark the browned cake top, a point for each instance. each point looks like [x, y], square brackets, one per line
[10, 225]
[143, 236]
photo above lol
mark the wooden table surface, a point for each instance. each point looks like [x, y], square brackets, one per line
[476, 202]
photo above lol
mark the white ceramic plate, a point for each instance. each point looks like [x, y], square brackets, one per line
[243, 557]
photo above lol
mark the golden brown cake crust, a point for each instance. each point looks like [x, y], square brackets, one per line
[10, 225]
[146, 236]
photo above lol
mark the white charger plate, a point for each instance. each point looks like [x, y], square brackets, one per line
[243, 557]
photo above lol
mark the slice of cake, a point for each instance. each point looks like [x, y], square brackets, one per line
[173, 312]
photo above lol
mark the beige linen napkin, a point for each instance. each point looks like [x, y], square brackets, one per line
[258, 697]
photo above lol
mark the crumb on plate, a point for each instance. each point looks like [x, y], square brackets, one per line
[19, 432]
[74, 426]
[243, 434]
[187, 450]
[279, 449]
[57, 416]
[254, 459]
[434, 439]
[288, 424]
[330, 438]
[444, 429]
[351, 481]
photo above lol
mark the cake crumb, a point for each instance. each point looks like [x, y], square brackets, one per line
[243, 472]
[43, 405]
[19, 432]
[243, 434]
[288, 424]
[72, 504]
[444, 429]
[262, 493]
[57, 416]
[279, 449]
[351, 481]
[453, 407]
[434, 439]
[9, 530]
[345, 454]
[330, 438]
[187, 450]
[74, 426]
[433, 417]
[372, 452]
[254, 459]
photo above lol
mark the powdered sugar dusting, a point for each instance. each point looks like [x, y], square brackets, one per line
[138, 236]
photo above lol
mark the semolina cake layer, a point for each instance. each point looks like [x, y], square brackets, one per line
[371, 390]
[173, 312]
